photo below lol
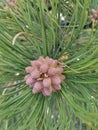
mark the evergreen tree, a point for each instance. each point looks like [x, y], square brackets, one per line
[65, 33]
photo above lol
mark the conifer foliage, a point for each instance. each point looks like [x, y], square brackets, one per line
[61, 90]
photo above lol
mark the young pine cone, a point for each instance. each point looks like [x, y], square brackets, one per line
[94, 15]
[45, 75]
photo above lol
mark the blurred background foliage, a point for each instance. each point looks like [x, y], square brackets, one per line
[60, 29]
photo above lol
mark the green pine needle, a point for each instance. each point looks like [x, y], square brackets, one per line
[29, 30]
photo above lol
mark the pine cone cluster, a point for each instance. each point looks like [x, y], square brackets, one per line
[44, 75]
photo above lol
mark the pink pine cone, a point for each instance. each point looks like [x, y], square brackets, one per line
[56, 80]
[44, 75]
[51, 71]
[10, 1]
[43, 68]
[29, 69]
[35, 74]
[30, 81]
[35, 64]
[94, 17]
[37, 87]
[46, 82]
[47, 91]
